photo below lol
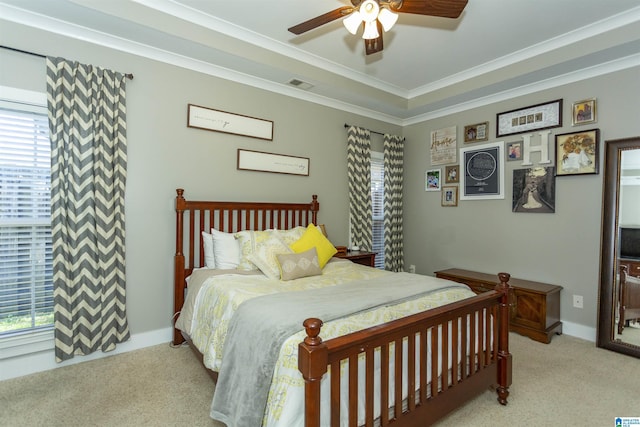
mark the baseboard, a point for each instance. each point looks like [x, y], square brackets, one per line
[579, 331]
[45, 360]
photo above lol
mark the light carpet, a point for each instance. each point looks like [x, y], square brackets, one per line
[567, 382]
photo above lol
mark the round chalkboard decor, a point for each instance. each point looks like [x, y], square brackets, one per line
[481, 166]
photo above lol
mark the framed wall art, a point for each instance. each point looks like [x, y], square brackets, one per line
[583, 112]
[535, 117]
[452, 174]
[449, 195]
[514, 150]
[477, 132]
[222, 121]
[577, 153]
[270, 162]
[534, 190]
[443, 147]
[482, 171]
[433, 180]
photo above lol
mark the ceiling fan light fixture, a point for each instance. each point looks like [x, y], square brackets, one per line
[369, 10]
[387, 19]
[352, 22]
[370, 30]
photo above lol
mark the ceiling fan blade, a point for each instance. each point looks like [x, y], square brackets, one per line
[374, 45]
[443, 8]
[321, 20]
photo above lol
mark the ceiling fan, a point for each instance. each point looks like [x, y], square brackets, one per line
[378, 15]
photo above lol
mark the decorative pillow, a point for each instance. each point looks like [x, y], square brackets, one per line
[225, 250]
[313, 237]
[265, 256]
[291, 235]
[297, 265]
[209, 258]
[248, 242]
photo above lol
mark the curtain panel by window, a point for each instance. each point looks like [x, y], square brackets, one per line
[87, 123]
[393, 233]
[359, 179]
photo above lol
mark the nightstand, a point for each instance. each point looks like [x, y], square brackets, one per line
[359, 257]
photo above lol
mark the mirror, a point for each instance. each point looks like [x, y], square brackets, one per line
[618, 329]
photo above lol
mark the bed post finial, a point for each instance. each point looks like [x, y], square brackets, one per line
[315, 207]
[313, 358]
[504, 357]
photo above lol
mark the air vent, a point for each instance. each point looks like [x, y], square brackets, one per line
[300, 84]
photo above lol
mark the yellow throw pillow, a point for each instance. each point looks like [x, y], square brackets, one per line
[313, 237]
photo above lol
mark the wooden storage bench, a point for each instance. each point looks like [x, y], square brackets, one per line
[535, 310]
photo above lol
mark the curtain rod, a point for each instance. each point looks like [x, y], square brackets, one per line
[127, 75]
[346, 125]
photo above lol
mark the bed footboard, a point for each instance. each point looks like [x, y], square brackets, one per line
[430, 363]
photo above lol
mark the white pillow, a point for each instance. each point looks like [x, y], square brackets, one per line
[226, 250]
[209, 258]
[264, 256]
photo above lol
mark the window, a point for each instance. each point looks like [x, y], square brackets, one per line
[26, 289]
[377, 205]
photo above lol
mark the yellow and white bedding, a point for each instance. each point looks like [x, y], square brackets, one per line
[214, 297]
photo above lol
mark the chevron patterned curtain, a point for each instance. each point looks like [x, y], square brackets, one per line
[393, 234]
[87, 117]
[359, 178]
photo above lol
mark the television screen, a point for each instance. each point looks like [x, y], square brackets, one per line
[629, 242]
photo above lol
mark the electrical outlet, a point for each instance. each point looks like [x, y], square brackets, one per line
[578, 302]
[412, 268]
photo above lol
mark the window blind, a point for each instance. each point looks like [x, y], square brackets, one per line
[377, 204]
[26, 290]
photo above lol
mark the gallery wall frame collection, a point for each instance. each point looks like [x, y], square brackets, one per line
[481, 168]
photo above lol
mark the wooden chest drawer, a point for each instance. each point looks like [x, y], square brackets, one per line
[535, 306]
[633, 266]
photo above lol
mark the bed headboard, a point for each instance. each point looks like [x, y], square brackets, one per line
[193, 217]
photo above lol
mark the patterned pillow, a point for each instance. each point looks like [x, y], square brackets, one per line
[249, 241]
[264, 256]
[297, 265]
[313, 237]
[291, 235]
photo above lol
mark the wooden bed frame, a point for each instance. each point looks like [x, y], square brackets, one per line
[487, 313]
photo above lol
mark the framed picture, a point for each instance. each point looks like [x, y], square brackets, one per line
[443, 146]
[477, 132]
[449, 195]
[432, 180]
[541, 116]
[514, 150]
[482, 171]
[583, 112]
[452, 174]
[534, 190]
[221, 121]
[577, 153]
[270, 162]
